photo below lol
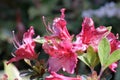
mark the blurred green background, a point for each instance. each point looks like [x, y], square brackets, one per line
[19, 15]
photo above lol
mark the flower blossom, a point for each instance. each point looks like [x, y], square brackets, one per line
[59, 46]
[59, 29]
[55, 76]
[89, 35]
[114, 44]
[26, 50]
[61, 56]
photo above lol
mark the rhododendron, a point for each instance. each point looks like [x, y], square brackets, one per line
[26, 50]
[97, 45]
[89, 35]
[59, 46]
[55, 76]
[59, 29]
[61, 55]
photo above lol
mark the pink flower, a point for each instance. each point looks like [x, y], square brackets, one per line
[59, 29]
[61, 55]
[55, 76]
[59, 46]
[89, 35]
[114, 44]
[26, 50]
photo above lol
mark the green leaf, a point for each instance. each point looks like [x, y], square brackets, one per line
[115, 56]
[90, 58]
[40, 40]
[84, 59]
[103, 51]
[106, 58]
[11, 71]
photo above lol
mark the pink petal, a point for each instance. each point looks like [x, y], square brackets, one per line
[66, 62]
[113, 66]
[15, 59]
[61, 55]
[27, 37]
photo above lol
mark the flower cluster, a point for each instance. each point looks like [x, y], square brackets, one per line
[62, 49]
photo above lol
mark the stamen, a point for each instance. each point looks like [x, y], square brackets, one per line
[13, 54]
[15, 43]
[48, 29]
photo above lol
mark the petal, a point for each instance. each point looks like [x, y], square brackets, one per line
[113, 66]
[26, 52]
[27, 37]
[70, 63]
[111, 37]
[66, 62]
[55, 64]
[87, 29]
[14, 59]
[59, 29]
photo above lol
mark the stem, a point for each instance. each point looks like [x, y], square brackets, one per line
[101, 71]
[92, 70]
